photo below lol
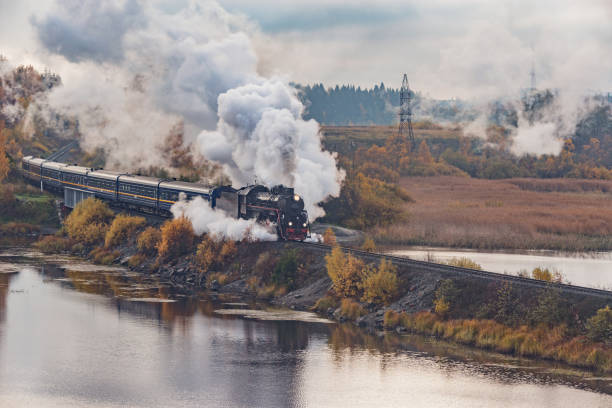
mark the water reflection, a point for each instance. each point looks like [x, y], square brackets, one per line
[77, 337]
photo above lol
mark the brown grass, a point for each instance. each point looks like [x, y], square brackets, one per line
[564, 214]
[554, 344]
[51, 244]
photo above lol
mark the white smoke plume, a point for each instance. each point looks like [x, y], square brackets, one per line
[216, 222]
[137, 68]
[261, 137]
[550, 125]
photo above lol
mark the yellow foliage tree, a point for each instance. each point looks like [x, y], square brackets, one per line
[547, 275]
[177, 238]
[123, 228]
[368, 245]
[382, 285]
[148, 240]
[212, 251]
[329, 237]
[346, 273]
[424, 155]
[464, 262]
[89, 221]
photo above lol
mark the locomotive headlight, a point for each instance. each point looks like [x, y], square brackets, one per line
[296, 197]
[290, 223]
[304, 225]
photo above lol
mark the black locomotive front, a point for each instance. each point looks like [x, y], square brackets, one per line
[294, 219]
[279, 206]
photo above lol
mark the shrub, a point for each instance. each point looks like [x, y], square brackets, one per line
[445, 297]
[212, 252]
[329, 237]
[391, 319]
[136, 260]
[549, 309]
[547, 275]
[221, 278]
[51, 244]
[123, 228]
[103, 256]
[441, 307]
[264, 264]
[382, 285]
[599, 326]
[206, 254]
[324, 303]
[368, 245]
[285, 271]
[542, 274]
[270, 291]
[148, 240]
[351, 310]
[345, 273]
[89, 221]
[464, 262]
[18, 228]
[177, 238]
[228, 250]
[77, 248]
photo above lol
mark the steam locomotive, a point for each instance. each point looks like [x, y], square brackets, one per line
[279, 207]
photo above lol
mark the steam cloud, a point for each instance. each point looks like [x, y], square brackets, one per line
[207, 220]
[139, 68]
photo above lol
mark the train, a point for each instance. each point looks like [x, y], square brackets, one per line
[278, 207]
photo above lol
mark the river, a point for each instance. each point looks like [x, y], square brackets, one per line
[592, 269]
[75, 334]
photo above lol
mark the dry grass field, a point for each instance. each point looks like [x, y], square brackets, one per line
[563, 214]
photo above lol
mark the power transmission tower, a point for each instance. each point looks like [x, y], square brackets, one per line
[532, 76]
[405, 113]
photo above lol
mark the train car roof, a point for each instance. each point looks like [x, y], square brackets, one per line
[53, 165]
[37, 160]
[27, 158]
[130, 178]
[185, 186]
[72, 168]
[105, 174]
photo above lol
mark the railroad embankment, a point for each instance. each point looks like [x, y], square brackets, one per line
[505, 313]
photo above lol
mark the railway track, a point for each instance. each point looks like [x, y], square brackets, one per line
[466, 272]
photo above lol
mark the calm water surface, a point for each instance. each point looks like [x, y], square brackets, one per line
[73, 334]
[585, 269]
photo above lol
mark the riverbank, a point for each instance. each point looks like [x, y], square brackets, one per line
[343, 287]
[166, 340]
[249, 274]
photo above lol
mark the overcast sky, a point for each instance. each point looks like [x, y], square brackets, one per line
[450, 48]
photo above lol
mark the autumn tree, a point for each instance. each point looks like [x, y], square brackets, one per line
[148, 240]
[177, 238]
[381, 286]
[368, 245]
[123, 228]
[424, 155]
[329, 237]
[599, 327]
[346, 273]
[89, 221]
